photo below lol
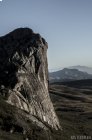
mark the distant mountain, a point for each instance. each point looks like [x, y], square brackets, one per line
[82, 68]
[68, 75]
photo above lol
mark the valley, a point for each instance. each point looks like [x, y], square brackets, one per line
[73, 106]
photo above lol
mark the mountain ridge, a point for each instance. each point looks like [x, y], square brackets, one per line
[68, 75]
[82, 68]
[78, 67]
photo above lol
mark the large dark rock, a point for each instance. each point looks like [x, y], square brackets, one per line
[24, 74]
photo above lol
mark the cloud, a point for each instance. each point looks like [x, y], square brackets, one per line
[0, 0]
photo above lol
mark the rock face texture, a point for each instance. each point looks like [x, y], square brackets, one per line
[24, 74]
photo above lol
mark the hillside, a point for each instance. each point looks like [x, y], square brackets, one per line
[82, 68]
[74, 108]
[68, 75]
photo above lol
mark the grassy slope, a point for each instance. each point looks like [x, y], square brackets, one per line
[74, 109]
[12, 117]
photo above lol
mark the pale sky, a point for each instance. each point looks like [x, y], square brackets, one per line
[65, 24]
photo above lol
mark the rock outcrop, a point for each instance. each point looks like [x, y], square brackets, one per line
[24, 74]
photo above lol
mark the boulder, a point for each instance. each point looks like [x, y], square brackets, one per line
[24, 74]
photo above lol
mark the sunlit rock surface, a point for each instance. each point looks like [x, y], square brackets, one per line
[24, 74]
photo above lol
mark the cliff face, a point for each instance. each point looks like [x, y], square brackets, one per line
[24, 74]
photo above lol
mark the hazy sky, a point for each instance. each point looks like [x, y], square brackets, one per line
[65, 24]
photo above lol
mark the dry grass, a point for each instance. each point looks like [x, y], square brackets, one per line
[74, 109]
